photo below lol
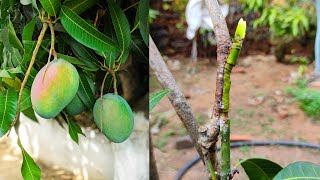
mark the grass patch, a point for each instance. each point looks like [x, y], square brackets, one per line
[163, 139]
[308, 100]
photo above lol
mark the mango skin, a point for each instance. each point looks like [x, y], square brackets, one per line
[76, 106]
[117, 117]
[51, 94]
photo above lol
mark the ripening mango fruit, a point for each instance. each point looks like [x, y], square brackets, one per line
[116, 117]
[76, 106]
[51, 93]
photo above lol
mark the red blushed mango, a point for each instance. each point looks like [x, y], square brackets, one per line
[51, 93]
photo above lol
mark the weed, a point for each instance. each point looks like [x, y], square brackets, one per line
[308, 99]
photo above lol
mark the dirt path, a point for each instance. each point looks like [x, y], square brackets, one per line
[260, 108]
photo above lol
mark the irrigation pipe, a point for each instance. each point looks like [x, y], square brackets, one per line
[197, 158]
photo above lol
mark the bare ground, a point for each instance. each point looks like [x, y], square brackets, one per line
[260, 109]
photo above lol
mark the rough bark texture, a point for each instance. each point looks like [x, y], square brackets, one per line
[176, 97]
[210, 136]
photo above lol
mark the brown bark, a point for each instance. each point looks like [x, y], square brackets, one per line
[211, 130]
[176, 97]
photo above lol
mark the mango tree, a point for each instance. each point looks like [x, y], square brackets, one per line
[62, 58]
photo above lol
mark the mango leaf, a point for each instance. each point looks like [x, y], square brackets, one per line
[80, 6]
[16, 70]
[74, 130]
[124, 56]
[29, 169]
[19, 62]
[25, 2]
[156, 97]
[8, 107]
[139, 48]
[26, 100]
[28, 30]
[143, 16]
[260, 169]
[120, 24]
[85, 33]
[70, 59]
[12, 83]
[30, 114]
[85, 93]
[52, 7]
[299, 170]
[13, 39]
[1, 51]
[4, 74]
[34, 4]
[84, 53]
[5, 5]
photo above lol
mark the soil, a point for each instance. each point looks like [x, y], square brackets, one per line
[260, 109]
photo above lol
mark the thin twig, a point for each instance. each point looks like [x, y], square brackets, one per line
[101, 94]
[34, 54]
[114, 82]
[52, 49]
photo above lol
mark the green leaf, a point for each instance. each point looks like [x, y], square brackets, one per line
[124, 56]
[74, 130]
[26, 100]
[4, 74]
[120, 24]
[260, 169]
[29, 169]
[139, 48]
[110, 58]
[299, 170]
[28, 30]
[16, 70]
[80, 6]
[87, 55]
[30, 114]
[70, 59]
[13, 39]
[52, 7]
[156, 97]
[5, 5]
[143, 16]
[25, 2]
[85, 93]
[85, 33]
[8, 107]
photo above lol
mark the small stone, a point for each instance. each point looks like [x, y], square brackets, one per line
[239, 70]
[184, 142]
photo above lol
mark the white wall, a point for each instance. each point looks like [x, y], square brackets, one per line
[95, 157]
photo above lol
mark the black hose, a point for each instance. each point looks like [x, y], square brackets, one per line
[197, 158]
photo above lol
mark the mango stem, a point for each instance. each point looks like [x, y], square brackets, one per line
[25, 79]
[101, 94]
[52, 49]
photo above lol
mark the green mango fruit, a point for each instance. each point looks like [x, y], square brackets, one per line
[76, 106]
[115, 116]
[51, 93]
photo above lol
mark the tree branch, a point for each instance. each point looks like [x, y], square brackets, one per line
[176, 97]
[210, 132]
